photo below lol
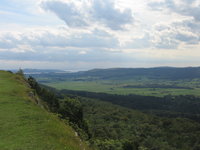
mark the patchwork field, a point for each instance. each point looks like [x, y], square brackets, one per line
[142, 81]
[141, 87]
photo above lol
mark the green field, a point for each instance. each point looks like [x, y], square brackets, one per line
[188, 87]
[26, 126]
[159, 81]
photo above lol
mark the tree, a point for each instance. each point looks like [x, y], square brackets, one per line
[20, 72]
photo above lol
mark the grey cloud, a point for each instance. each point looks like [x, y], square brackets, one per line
[66, 12]
[166, 37]
[166, 43]
[71, 55]
[104, 11]
[140, 43]
[8, 41]
[171, 36]
[189, 1]
[160, 5]
[189, 39]
[57, 46]
[95, 39]
[6, 45]
[92, 41]
[191, 27]
[45, 39]
[99, 11]
[191, 11]
[185, 8]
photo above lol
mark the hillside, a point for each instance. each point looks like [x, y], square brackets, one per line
[113, 127]
[170, 106]
[26, 126]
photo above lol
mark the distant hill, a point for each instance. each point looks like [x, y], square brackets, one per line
[160, 73]
[24, 125]
[39, 71]
[129, 73]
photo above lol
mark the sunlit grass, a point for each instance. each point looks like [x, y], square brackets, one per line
[26, 126]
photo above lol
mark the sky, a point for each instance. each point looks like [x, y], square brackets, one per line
[86, 34]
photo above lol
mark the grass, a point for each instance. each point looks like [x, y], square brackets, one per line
[26, 126]
[117, 86]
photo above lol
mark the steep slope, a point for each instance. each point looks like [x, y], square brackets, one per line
[26, 126]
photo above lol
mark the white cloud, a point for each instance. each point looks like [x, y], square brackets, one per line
[97, 33]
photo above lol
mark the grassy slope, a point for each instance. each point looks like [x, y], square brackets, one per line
[24, 125]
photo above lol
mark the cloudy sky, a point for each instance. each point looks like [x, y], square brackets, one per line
[86, 34]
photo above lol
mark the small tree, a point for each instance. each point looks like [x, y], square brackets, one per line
[20, 72]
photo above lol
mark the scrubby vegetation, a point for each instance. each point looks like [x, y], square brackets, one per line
[113, 127]
[68, 108]
[186, 106]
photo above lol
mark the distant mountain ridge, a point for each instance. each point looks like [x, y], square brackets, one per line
[160, 72]
[171, 73]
